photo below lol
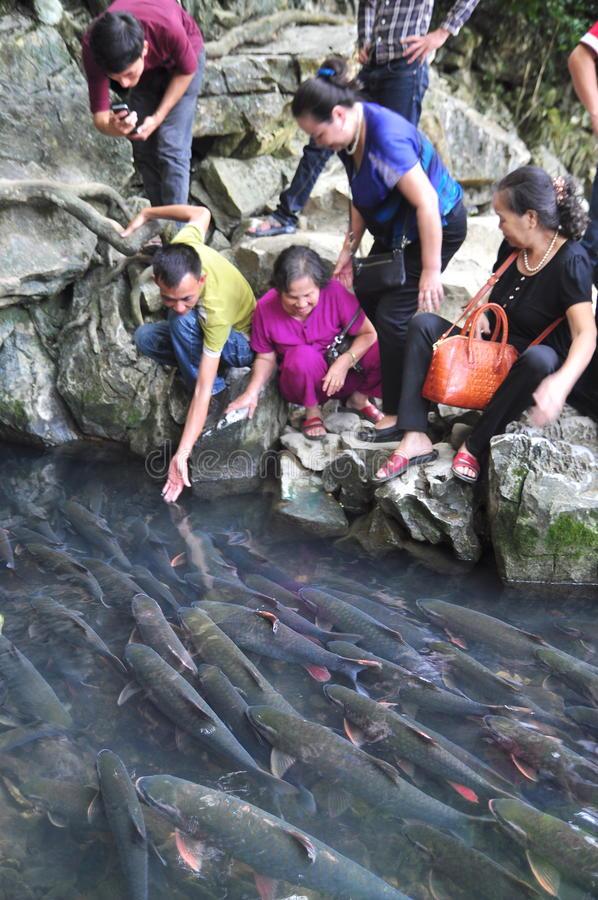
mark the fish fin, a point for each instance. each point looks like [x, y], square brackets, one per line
[307, 844]
[127, 692]
[420, 733]
[466, 792]
[324, 624]
[318, 673]
[269, 617]
[137, 824]
[34, 631]
[545, 873]
[179, 560]
[449, 682]
[368, 663]
[457, 641]
[266, 887]
[56, 820]
[439, 888]
[392, 632]
[94, 810]
[156, 853]
[386, 769]
[388, 704]
[407, 767]
[551, 683]
[103, 602]
[280, 762]
[526, 770]
[336, 801]
[190, 850]
[355, 734]
[132, 636]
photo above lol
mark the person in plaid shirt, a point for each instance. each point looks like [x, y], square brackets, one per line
[393, 45]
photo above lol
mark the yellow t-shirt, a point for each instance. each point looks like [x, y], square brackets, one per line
[227, 301]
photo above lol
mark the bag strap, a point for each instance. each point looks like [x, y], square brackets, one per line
[547, 331]
[494, 278]
[343, 334]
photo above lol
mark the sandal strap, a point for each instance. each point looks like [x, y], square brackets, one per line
[394, 461]
[313, 421]
[465, 458]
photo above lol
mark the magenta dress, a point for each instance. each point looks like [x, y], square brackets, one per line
[300, 347]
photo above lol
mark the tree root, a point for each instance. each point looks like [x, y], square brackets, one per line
[137, 281]
[261, 31]
[70, 198]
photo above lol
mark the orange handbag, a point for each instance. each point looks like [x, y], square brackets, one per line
[466, 371]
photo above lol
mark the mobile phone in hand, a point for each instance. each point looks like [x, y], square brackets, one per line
[122, 107]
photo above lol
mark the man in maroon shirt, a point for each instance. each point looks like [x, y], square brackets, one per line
[153, 49]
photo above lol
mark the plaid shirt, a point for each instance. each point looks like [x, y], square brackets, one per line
[384, 23]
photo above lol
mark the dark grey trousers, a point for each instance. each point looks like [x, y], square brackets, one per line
[164, 160]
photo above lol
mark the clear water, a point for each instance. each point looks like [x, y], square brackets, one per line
[40, 860]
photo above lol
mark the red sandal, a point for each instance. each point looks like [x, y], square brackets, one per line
[464, 458]
[312, 422]
[369, 412]
[397, 463]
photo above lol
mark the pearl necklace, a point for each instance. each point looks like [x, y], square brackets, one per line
[353, 146]
[532, 269]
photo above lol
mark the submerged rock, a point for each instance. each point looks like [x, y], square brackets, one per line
[543, 509]
[303, 501]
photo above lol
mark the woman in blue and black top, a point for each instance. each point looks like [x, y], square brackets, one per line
[401, 192]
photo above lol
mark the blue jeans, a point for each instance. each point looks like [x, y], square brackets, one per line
[164, 160]
[398, 85]
[179, 342]
[590, 238]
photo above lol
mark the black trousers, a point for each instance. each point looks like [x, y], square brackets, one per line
[393, 310]
[511, 399]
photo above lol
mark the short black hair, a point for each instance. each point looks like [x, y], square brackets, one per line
[173, 262]
[116, 40]
[296, 262]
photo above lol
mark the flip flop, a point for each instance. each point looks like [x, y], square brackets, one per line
[464, 458]
[380, 435]
[274, 228]
[311, 423]
[397, 463]
[369, 412]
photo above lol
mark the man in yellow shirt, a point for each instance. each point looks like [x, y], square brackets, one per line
[210, 307]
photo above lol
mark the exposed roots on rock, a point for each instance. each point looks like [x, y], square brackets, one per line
[137, 282]
[261, 31]
[72, 199]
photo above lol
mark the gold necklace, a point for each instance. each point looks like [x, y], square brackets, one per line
[353, 146]
[532, 269]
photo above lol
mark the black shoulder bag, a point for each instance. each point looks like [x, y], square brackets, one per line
[342, 344]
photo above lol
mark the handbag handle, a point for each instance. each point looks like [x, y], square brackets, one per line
[481, 293]
[502, 324]
[343, 334]
[547, 331]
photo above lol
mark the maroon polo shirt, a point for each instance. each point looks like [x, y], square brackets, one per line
[173, 38]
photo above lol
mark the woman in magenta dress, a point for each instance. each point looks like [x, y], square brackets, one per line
[293, 324]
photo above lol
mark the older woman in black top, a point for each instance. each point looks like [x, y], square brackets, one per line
[550, 278]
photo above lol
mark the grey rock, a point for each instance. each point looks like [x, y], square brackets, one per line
[48, 12]
[234, 453]
[543, 509]
[255, 257]
[475, 148]
[43, 249]
[31, 409]
[304, 503]
[310, 44]
[241, 187]
[314, 455]
[242, 74]
[246, 125]
[376, 533]
[341, 422]
[434, 506]
[346, 477]
[570, 427]
[112, 391]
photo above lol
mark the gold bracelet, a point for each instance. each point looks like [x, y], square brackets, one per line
[353, 357]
